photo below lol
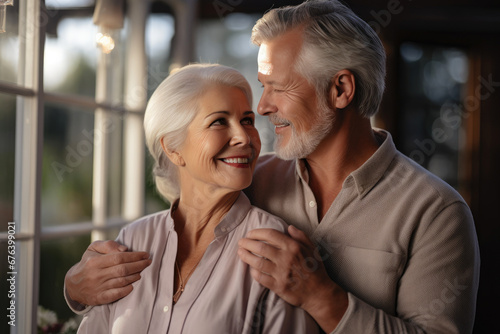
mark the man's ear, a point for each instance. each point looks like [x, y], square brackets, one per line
[174, 156]
[342, 89]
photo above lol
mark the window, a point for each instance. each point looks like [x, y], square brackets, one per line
[71, 141]
[434, 109]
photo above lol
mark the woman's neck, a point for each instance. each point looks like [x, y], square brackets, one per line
[196, 215]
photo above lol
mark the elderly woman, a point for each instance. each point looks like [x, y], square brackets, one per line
[200, 130]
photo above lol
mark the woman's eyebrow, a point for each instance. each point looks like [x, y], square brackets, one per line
[250, 112]
[217, 112]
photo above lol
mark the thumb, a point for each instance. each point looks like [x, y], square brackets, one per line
[106, 247]
[299, 236]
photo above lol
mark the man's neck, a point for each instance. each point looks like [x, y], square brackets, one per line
[348, 147]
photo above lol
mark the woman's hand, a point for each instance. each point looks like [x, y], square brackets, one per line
[291, 267]
[105, 273]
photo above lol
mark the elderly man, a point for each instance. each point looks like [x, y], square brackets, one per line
[377, 244]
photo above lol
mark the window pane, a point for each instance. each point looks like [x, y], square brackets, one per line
[159, 33]
[67, 165]
[7, 158]
[56, 257]
[68, 155]
[433, 90]
[70, 57]
[9, 45]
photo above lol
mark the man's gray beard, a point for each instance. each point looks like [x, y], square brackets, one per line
[300, 145]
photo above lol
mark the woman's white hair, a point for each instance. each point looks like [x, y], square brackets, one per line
[334, 39]
[173, 106]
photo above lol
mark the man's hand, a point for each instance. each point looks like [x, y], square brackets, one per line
[291, 267]
[105, 273]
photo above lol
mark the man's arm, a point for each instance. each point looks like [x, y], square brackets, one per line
[436, 292]
[104, 274]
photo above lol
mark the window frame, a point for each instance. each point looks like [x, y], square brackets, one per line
[31, 100]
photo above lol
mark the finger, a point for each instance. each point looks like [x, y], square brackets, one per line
[106, 267]
[112, 295]
[264, 279]
[256, 262]
[106, 247]
[259, 248]
[271, 236]
[299, 235]
[135, 259]
[123, 267]
[119, 282]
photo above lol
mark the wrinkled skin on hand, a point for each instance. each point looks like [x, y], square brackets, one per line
[291, 268]
[105, 273]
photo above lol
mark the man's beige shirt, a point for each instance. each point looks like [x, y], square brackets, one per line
[398, 239]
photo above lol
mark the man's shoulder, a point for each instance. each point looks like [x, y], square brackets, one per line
[414, 177]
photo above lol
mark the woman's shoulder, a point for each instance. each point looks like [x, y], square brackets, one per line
[153, 220]
[258, 218]
[143, 231]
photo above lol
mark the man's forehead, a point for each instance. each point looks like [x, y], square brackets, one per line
[264, 60]
[279, 51]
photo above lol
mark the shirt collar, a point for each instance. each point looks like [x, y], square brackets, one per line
[234, 217]
[370, 173]
[365, 177]
[231, 220]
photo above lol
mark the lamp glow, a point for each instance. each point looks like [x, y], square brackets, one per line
[105, 42]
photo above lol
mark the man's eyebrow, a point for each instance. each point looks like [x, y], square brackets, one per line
[270, 82]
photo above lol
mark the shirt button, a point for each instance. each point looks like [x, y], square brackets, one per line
[312, 204]
[165, 309]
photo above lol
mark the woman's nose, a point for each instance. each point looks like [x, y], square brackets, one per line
[240, 136]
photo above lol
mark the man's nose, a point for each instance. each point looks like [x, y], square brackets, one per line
[266, 104]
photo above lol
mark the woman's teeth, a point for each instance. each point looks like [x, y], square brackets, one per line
[236, 160]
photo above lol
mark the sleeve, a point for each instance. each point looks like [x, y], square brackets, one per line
[438, 288]
[95, 321]
[74, 306]
[281, 317]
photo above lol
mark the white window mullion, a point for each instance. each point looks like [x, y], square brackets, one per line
[101, 152]
[135, 100]
[29, 143]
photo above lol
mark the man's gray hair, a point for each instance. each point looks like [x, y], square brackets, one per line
[171, 109]
[334, 39]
